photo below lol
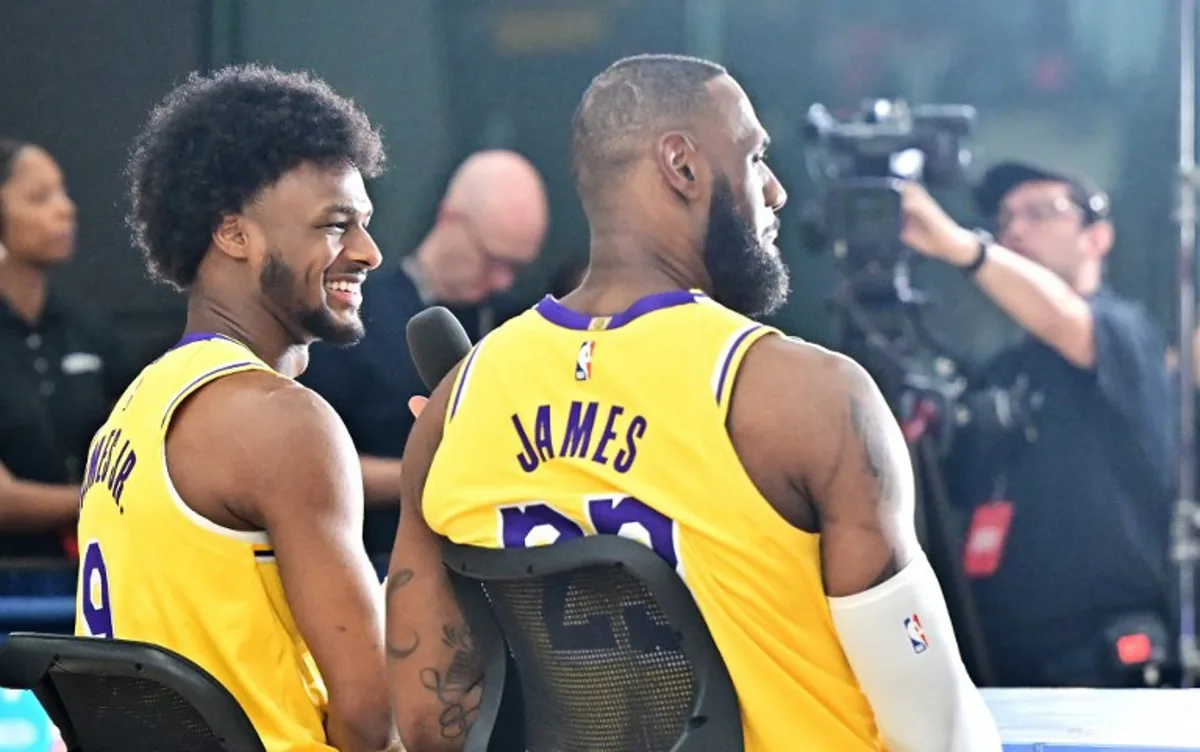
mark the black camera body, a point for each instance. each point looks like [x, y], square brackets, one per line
[858, 167]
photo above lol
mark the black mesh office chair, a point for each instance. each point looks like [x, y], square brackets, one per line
[120, 696]
[594, 644]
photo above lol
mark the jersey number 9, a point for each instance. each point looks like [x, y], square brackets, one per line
[93, 593]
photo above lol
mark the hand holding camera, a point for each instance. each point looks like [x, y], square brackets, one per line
[929, 230]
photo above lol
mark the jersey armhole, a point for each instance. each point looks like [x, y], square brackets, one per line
[729, 360]
[257, 538]
[462, 382]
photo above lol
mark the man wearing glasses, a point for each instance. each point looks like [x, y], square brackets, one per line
[489, 225]
[1067, 546]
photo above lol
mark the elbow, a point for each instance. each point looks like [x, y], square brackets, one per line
[1074, 338]
[365, 726]
[420, 730]
[1077, 348]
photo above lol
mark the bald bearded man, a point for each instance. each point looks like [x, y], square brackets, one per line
[489, 225]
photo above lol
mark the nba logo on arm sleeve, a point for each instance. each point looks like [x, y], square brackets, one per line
[583, 361]
[916, 634]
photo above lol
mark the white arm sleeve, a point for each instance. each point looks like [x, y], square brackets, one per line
[901, 646]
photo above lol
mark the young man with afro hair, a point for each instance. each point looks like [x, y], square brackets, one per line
[222, 510]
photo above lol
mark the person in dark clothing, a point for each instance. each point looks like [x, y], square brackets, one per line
[61, 369]
[490, 224]
[1071, 510]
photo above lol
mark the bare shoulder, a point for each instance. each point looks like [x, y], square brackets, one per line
[262, 410]
[260, 429]
[799, 416]
[792, 378]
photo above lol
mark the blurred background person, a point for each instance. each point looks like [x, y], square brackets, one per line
[489, 226]
[61, 369]
[1067, 545]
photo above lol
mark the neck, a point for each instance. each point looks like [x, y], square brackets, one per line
[421, 266]
[628, 264]
[414, 269]
[254, 326]
[24, 287]
[1088, 280]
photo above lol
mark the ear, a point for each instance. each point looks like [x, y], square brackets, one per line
[1101, 236]
[681, 165]
[232, 236]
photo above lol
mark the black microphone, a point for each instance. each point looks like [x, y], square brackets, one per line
[436, 343]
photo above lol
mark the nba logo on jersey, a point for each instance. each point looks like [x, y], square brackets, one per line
[916, 634]
[583, 362]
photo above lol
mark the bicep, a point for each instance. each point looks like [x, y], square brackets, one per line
[434, 671]
[311, 507]
[862, 487]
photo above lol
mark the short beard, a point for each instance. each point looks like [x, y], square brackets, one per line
[278, 283]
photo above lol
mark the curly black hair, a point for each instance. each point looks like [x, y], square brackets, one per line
[216, 141]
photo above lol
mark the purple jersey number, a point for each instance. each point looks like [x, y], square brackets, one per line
[93, 593]
[540, 524]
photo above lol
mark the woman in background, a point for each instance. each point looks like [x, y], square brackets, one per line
[60, 370]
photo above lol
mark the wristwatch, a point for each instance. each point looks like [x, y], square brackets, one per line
[986, 240]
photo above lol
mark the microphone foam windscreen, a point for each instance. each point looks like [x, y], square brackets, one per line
[436, 343]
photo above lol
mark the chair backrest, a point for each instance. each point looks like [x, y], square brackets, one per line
[609, 649]
[125, 696]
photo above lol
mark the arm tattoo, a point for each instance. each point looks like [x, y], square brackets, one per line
[454, 686]
[867, 424]
[397, 580]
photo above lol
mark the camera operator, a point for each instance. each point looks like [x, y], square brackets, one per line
[1067, 545]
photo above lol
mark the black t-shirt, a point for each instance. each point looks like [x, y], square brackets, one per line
[59, 378]
[1090, 485]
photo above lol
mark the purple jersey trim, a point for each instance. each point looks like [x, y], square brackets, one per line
[462, 382]
[558, 314]
[195, 337]
[187, 390]
[729, 359]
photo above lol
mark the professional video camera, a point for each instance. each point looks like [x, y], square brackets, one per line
[858, 166]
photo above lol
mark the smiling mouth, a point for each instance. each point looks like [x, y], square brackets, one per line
[344, 290]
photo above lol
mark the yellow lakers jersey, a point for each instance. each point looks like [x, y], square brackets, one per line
[154, 570]
[561, 425]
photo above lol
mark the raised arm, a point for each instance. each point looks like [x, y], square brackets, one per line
[290, 469]
[833, 447]
[435, 674]
[1037, 299]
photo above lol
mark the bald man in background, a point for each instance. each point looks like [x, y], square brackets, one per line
[489, 225]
